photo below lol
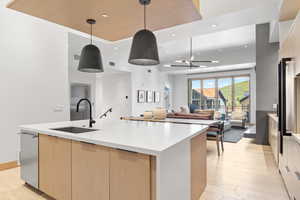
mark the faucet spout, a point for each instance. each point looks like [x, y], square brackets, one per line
[91, 110]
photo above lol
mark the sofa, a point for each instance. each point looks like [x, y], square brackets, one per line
[190, 116]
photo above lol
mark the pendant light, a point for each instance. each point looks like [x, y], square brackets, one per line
[90, 58]
[144, 47]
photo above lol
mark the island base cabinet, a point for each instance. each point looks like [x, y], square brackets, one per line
[73, 170]
[55, 167]
[129, 176]
[90, 171]
[198, 166]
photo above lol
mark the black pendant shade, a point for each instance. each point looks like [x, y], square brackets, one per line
[144, 49]
[90, 58]
[144, 46]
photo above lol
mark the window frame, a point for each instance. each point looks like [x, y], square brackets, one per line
[216, 78]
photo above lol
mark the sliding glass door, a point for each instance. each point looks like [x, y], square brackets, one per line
[226, 94]
[242, 94]
[195, 92]
[209, 97]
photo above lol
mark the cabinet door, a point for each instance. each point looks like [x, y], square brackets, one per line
[284, 163]
[90, 172]
[296, 170]
[129, 176]
[198, 165]
[55, 167]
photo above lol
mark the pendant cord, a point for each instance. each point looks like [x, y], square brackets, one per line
[191, 52]
[145, 16]
[91, 33]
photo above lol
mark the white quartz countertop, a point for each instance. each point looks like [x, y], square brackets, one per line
[273, 116]
[297, 137]
[144, 137]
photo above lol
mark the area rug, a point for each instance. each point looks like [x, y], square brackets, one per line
[233, 135]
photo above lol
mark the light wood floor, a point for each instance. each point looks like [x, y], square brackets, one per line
[244, 172]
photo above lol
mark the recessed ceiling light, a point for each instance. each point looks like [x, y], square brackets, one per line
[167, 65]
[173, 34]
[215, 61]
[214, 25]
[104, 15]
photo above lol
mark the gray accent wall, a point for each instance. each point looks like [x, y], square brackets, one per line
[267, 55]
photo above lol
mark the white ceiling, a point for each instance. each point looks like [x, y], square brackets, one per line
[213, 8]
[227, 26]
[221, 68]
[214, 41]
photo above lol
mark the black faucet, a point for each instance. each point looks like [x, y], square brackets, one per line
[91, 119]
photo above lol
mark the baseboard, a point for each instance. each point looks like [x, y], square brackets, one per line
[8, 165]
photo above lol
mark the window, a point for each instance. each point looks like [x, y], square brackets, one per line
[209, 97]
[242, 94]
[226, 94]
[196, 92]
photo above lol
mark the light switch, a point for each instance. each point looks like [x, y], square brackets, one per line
[58, 108]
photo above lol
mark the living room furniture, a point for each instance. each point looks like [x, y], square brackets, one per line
[238, 119]
[190, 116]
[209, 112]
[174, 120]
[216, 132]
[227, 125]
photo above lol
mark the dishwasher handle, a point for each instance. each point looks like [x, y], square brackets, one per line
[34, 135]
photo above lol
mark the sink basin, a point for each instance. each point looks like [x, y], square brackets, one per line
[74, 130]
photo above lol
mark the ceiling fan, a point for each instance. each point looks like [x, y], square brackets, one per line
[190, 63]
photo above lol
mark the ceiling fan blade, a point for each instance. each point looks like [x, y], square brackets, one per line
[206, 61]
[187, 66]
[182, 61]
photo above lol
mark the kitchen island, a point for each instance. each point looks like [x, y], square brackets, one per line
[128, 160]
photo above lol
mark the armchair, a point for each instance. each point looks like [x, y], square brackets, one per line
[238, 119]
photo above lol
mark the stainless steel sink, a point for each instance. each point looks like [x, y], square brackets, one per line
[74, 130]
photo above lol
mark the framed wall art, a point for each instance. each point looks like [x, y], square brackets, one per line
[149, 96]
[141, 97]
[157, 97]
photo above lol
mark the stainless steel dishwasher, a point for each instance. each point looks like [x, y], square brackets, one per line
[29, 158]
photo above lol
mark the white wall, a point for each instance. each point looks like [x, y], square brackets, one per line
[143, 80]
[33, 76]
[111, 92]
[75, 45]
[284, 28]
[180, 88]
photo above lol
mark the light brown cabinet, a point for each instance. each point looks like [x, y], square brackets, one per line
[198, 166]
[129, 176]
[90, 171]
[55, 167]
[72, 170]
